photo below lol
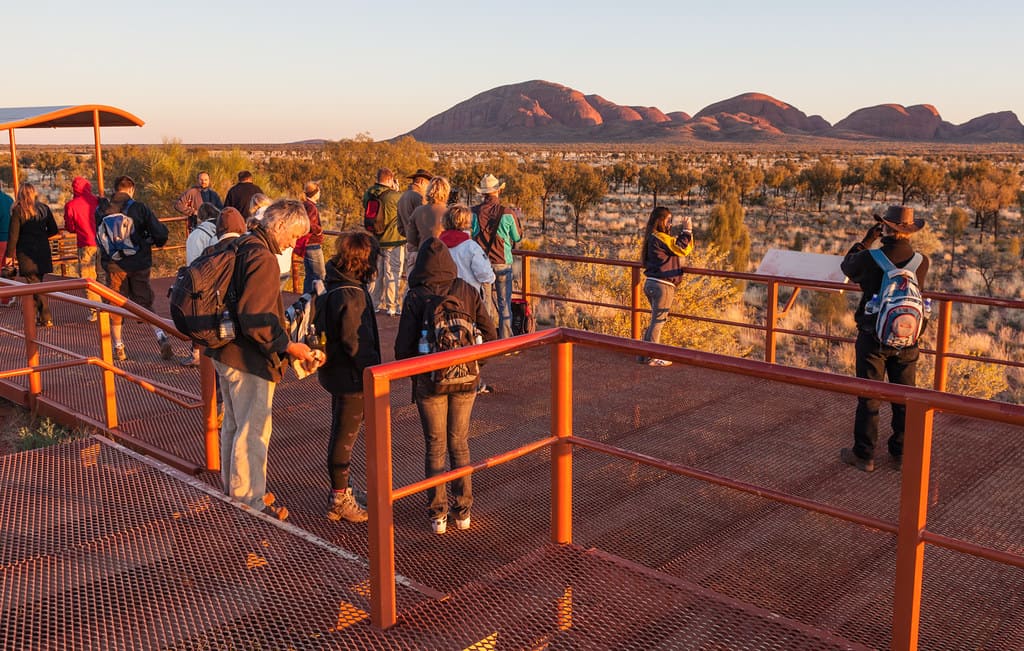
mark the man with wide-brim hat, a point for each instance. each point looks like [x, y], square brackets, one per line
[496, 229]
[874, 360]
[410, 200]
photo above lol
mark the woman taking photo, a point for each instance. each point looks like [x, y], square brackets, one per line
[662, 258]
[351, 343]
[32, 226]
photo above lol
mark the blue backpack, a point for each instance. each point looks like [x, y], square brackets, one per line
[900, 308]
[115, 234]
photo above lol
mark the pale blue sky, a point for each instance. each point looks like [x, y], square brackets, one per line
[278, 71]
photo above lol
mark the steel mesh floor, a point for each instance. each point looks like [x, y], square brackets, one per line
[713, 568]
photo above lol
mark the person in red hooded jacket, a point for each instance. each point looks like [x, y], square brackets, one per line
[80, 219]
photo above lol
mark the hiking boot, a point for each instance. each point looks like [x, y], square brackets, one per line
[897, 460]
[847, 456]
[659, 362]
[344, 507]
[279, 512]
[120, 354]
[165, 347]
[462, 524]
[439, 525]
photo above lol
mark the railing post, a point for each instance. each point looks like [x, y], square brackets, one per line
[917, 450]
[107, 355]
[942, 346]
[769, 321]
[634, 303]
[561, 452]
[527, 285]
[208, 390]
[35, 379]
[377, 409]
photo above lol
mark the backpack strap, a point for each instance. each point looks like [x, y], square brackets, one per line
[882, 260]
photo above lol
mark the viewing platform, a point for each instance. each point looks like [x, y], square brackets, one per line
[105, 548]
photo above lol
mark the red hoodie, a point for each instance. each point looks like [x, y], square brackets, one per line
[80, 212]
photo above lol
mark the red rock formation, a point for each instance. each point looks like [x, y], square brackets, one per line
[893, 122]
[780, 115]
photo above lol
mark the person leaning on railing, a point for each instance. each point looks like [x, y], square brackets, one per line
[662, 257]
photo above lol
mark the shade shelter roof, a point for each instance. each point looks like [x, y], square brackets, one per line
[41, 117]
[52, 117]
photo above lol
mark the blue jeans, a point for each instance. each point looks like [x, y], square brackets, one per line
[445, 421]
[660, 296]
[313, 264]
[503, 291]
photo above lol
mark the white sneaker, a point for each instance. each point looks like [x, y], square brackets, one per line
[659, 362]
[165, 347]
[463, 524]
[119, 353]
[439, 525]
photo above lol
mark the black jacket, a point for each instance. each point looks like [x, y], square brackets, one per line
[29, 239]
[149, 231]
[353, 342]
[660, 262]
[260, 337]
[861, 268]
[435, 274]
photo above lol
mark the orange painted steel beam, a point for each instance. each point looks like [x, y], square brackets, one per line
[917, 452]
[14, 162]
[942, 346]
[380, 502]
[208, 389]
[561, 452]
[752, 489]
[965, 547]
[634, 302]
[18, 372]
[527, 278]
[489, 462]
[35, 380]
[99, 150]
[771, 303]
[107, 356]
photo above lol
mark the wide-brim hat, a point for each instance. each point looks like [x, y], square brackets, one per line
[420, 174]
[489, 184]
[901, 219]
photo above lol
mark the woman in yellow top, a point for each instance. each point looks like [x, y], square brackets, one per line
[662, 257]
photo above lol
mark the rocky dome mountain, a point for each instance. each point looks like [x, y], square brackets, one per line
[541, 111]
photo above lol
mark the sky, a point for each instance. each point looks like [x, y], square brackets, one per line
[278, 71]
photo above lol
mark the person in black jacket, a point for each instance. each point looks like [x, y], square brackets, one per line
[32, 226]
[352, 343]
[444, 417]
[129, 275]
[662, 259]
[875, 360]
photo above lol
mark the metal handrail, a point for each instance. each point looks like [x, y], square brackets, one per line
[909, 529]
[123, 307]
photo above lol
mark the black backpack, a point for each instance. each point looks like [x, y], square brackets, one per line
[449, 325]
[204, 298]
[523, 321]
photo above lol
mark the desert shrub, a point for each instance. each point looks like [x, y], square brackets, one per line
[43, 433]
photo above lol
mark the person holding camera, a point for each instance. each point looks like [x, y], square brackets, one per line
[875, 360]
[662, 257]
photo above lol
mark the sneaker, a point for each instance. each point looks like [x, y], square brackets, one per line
[272, 508]
[93, 316]
[659, 362]
[165, 347]
[343, 506]
[847, 456]
[485, 388]
[188, 361]
[439, 525]
[119, 353]
[462, 524]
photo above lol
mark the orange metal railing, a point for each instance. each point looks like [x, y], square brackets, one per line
[909, 529]
[943, 301]
[35, 399]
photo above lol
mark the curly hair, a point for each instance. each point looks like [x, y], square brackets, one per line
[356, 254]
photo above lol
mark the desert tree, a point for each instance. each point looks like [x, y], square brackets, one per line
[826, 307]
[623, 173]
[655, 179]
[987, 190]
[993, 262]
[913, 178]
[821, 180]
[852, 177]
[552, 176]
[956, 226]
[582, 187]
[727, 231]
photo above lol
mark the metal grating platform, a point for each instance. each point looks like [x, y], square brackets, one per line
[661, 561]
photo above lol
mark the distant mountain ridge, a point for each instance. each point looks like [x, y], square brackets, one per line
[542, 111]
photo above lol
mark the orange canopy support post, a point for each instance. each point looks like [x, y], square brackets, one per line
[561, 452]
[14, 162]
[99, 150]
